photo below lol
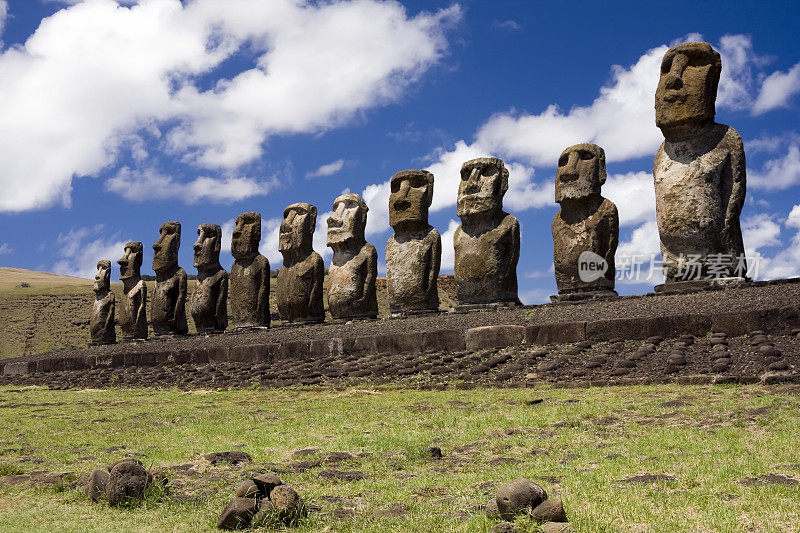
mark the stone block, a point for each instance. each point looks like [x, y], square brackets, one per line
[443, 340]
[622, 328]
[560, 333]
[255, 353]
[296, 349]
[18, 368]
[486, 337]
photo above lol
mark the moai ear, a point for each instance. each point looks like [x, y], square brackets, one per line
[601, 162]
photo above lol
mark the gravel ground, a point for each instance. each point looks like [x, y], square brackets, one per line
[737, 358]
[764, 295]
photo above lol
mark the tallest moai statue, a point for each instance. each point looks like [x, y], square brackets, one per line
[699, 171]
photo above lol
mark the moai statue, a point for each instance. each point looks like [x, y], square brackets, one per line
[101, 326]
[209, 303]
[586, 228]
[168, 306]
[302, 273]
[249, 278]
[487, 241]
[354, 267]
[699, 171]
[414, 252]
[133, 316]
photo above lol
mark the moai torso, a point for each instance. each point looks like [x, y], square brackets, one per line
[699, 171]
[354, 267]
[133, 312]
[101, 325]
[249, 287]
[486, 262]
[351, 285]
[586, 228]
[299, 290]
[696, 210]
[168, 305]
[412, 271]
[133, 321]
[250, 273]
[598, 233]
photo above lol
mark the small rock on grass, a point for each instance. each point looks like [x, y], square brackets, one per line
[289, 506]
[518, 496]
[96, 488]
[233, 458]
[550, 511]
[434, 452]
[238, 514]
[491, 508]
[126, 482]
[267, 482]
[248, 489]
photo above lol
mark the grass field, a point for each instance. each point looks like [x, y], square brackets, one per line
[707, 447]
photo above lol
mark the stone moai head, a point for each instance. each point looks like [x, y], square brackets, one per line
[131, 261]
[165, 249]
[348, 221]
[411, 196]
[687, 89]
[102, 280]
[246, 235]
[297, 228]
[207, 246]
[581, 172]
[484, 181]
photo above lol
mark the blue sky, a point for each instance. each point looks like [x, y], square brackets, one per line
[118, 115]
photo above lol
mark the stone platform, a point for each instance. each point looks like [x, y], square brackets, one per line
[772, 308]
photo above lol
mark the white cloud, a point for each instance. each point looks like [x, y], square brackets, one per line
[758, 231]
[506, 25]
[327, 170]
[3, 16]
[785, 263]
[776, 89]
[777, 174]
[634, 195]
[637, 258]
[5, 249]
[95, 72]
[448, 252]
[79, 250]
[148, 184]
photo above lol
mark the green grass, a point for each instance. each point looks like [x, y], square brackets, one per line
[578, 444]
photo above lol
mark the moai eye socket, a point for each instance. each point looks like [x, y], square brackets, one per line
[396, 186]
[563, 160]
[585, 155]
[488, 170]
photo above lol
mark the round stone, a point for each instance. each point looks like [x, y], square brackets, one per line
[717, 340]
[772, 359]
[758, 339]
[679, 361]
[779, 365]
[724, 360]
[719, 348]
[654, 340]
[756, 332]
[720, 368]
[670, 369]
[518, 496]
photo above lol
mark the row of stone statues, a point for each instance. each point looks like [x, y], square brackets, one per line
[699, 177]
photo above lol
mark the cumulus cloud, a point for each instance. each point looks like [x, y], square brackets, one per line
[776, 89]
[327, 170]
[5, 249]
[777, 174]
[79, 250]
[786, 262]
[97, 71]
[149, 184]
[759, 231]
[448, 252]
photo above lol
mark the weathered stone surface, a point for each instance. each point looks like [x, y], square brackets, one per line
[267, 482]
[414, 252]
[518, 496]
[486, 337]
[126, 482]
[288, 505]
[168, 306]
[248, 489]
[550, 511]
[504, 527]
[133, 311]
[354, 267]
[699, 170]
[234, 458]
[487, 241]
[299, 291]
[96, 487]
[238, 514]
[101, 325]
[586, 228]
[250, 274]
[209, 302]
